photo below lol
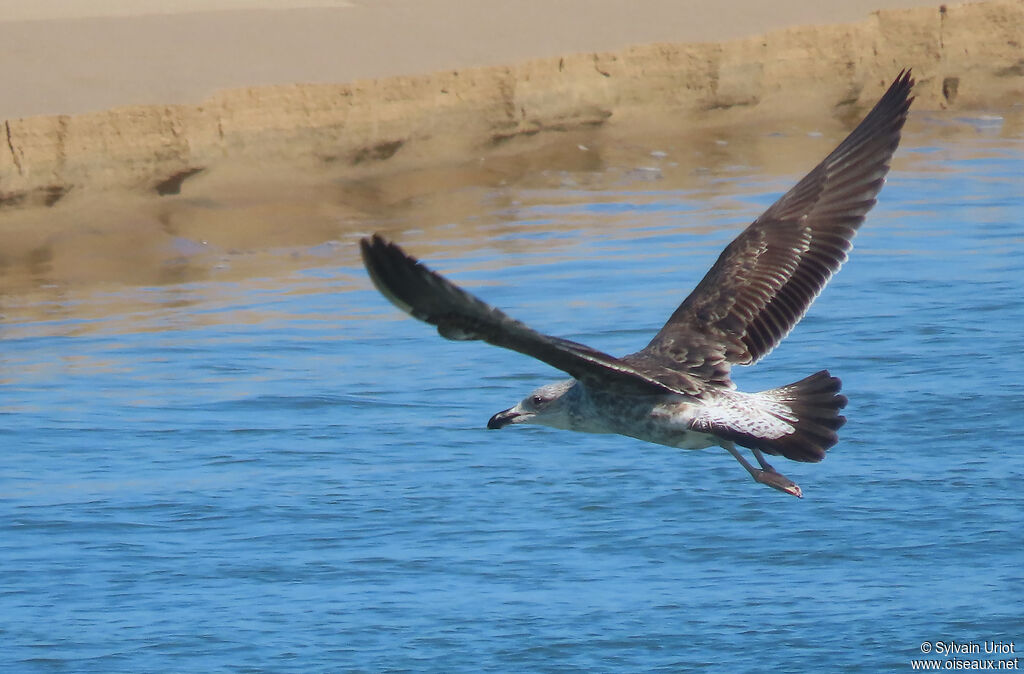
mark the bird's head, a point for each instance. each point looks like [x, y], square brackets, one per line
[548, 405]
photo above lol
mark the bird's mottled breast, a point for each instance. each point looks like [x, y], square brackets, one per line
[661, 419]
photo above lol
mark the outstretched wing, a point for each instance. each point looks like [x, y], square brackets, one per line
[428, 296]
[768, 276]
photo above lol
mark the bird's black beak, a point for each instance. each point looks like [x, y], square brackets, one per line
[502, 419]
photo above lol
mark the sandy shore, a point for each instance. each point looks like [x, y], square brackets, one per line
[294, 162]
[73, 57]
[964, 56]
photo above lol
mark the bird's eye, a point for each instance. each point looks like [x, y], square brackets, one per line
[537, 400]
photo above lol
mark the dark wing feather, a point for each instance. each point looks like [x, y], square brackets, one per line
[428, 296]
[765, 280]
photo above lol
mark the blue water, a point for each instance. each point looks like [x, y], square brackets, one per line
[286, 474]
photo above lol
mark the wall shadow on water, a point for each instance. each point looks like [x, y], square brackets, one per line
[233, 225]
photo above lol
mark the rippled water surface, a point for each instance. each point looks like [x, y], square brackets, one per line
[281, 472]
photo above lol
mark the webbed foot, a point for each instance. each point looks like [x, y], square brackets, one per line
[777, 480]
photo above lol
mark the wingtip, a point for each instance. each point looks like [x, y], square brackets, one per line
[377, 252]
[372, 242]
[392, 271]
[905, 78]
[903, 85]
[368, 243]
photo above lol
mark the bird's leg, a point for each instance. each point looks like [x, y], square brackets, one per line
[761, 460]
[766, 475]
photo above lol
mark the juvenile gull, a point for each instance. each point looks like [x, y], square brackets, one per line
[677, 391]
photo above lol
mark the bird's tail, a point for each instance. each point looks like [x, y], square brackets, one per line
[798, 421]
[811, 407]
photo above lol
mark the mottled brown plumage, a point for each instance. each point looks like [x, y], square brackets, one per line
[764, 281]
[677, 390]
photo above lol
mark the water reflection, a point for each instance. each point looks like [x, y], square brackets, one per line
[124, 258]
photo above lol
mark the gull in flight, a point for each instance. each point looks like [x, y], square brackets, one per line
[677, 390]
